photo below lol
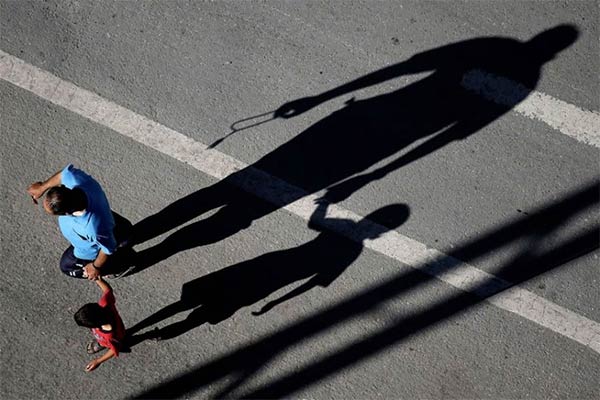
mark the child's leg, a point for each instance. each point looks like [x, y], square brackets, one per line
[93, 347]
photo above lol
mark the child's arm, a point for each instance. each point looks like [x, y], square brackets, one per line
[92, 365]
[103, 285]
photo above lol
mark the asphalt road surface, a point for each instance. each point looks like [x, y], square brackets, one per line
[332, 199]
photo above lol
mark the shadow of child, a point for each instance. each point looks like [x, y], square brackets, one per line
[218, 295]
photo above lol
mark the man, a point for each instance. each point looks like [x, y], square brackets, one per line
[85, 220]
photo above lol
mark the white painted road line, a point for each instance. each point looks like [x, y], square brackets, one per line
[214, 163]
[583, 125]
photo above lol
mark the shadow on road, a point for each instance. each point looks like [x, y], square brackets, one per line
[543, 225]
[218, 295]
[334, 154]
[333, 151]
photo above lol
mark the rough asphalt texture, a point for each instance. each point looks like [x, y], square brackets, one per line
[198, 68]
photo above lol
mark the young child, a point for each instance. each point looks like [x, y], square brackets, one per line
[107, 326]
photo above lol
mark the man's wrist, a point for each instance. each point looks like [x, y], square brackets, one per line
[97, 268]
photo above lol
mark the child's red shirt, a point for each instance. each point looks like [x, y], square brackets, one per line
[112, 339]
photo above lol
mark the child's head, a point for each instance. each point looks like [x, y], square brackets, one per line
[92, 315]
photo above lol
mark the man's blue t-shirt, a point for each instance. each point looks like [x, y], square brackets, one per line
[92, 231]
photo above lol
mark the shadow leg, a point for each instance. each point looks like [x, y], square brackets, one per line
[158, 316]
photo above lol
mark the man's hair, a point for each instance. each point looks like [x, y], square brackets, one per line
[92, 315]
[61, 200]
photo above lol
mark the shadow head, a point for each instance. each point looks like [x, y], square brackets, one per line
[546, 45]
[385, 219]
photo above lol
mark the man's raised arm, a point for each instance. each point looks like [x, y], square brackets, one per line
[37, 189]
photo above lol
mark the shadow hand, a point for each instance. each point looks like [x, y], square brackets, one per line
[343, 190]
[263, 310]
[296, 107]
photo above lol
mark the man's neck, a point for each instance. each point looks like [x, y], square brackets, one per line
[82, 202]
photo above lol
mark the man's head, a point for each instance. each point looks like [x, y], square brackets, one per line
[92, 315]
[60, 200]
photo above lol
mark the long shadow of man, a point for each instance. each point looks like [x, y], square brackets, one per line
[218, 295]
[362, 133]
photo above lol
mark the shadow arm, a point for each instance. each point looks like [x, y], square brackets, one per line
[317, 218]
[305, 287]
[458, 131]
[415, 64]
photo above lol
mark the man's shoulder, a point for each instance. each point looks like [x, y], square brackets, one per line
[100, 215]
[73, 177]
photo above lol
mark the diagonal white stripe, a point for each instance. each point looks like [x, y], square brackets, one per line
[214, 163]
[583, 125]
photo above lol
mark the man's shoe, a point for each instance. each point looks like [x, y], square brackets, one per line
[121, 274]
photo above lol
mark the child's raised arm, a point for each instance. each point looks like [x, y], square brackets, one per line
[104, 286]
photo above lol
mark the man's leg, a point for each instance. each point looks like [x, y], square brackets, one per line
[120, 263]
[123, 230]
[71, 265]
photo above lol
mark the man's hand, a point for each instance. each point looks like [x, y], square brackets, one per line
[90, 272]
[92, 365]
[36, 190]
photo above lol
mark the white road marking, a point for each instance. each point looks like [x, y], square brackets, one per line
[214, 163]
[583, 125]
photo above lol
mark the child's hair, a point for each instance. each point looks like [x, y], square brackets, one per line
[92, 315]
